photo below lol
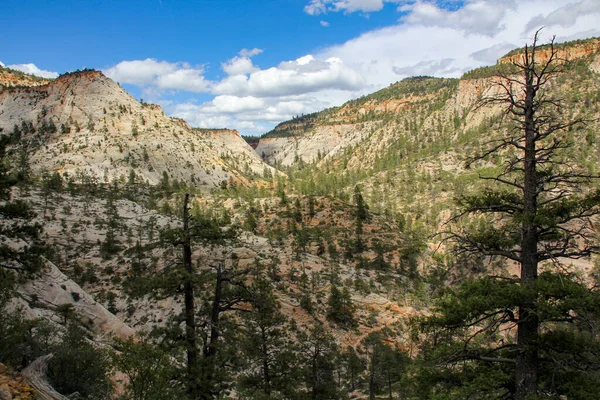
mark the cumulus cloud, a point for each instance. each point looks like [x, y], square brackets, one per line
[430, 38]
[566, 16]
[241, 64]
[316, 7]
[303, 75]
[139, 72]
[324, 23]
[248, 114]
[187, 79]
[233, 104]
[428, 68]
[1, 64]
[578, 35]
[438, 45]
[33, 70]
[250, 52]
[161, 74]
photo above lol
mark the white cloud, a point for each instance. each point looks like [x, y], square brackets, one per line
[304, 75]
[427, 44]
[161, 74]
[239, 66]
[234, 104]
[1, 64]
[429, 68]
[139, 72]
[247, 114]
[33, 70]
[566, 16]
[491, 54]
[324, 23]
[427, 40]
[250, 52]
[187, 79]
[475, 17]
[316, 7]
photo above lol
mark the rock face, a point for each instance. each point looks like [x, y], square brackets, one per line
[570, 51]
[84, 123]
[311, 147]
[53, 289]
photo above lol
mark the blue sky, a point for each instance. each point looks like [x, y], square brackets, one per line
[251, 64]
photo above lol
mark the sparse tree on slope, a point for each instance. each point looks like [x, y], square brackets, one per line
[20, 244]
[267, 346]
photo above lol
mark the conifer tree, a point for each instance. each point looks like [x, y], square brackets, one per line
[538, 208]
[362, 215]
[341, 309]
[219, 284]
[267, 345]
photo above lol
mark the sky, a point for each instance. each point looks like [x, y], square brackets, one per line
[251, 64]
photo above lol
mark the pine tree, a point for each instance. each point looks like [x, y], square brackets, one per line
[341, 309]
[362, 215]
[222, 289]
[318, 353]
[267, 345]
[538, 208]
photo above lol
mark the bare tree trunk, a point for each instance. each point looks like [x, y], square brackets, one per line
[372, 376]
[35, 374]
[528, 324]
[190, 309]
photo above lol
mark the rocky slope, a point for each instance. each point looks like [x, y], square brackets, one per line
[85, 124]
[103, 288]
[406, 145]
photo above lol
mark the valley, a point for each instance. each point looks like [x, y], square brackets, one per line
[320, 258]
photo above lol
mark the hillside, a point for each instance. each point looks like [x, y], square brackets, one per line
[13, 78]
[406, 144]
[83, 123]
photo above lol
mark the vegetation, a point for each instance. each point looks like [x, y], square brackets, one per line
[414, 86]
[23, 75]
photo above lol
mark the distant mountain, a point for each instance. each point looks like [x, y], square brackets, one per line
[12, 78]
[85, 123]
[406, 144]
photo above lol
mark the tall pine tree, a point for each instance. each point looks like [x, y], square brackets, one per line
[539, 207]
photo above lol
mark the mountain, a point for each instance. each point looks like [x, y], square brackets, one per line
[406, 145]
[83, 123]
